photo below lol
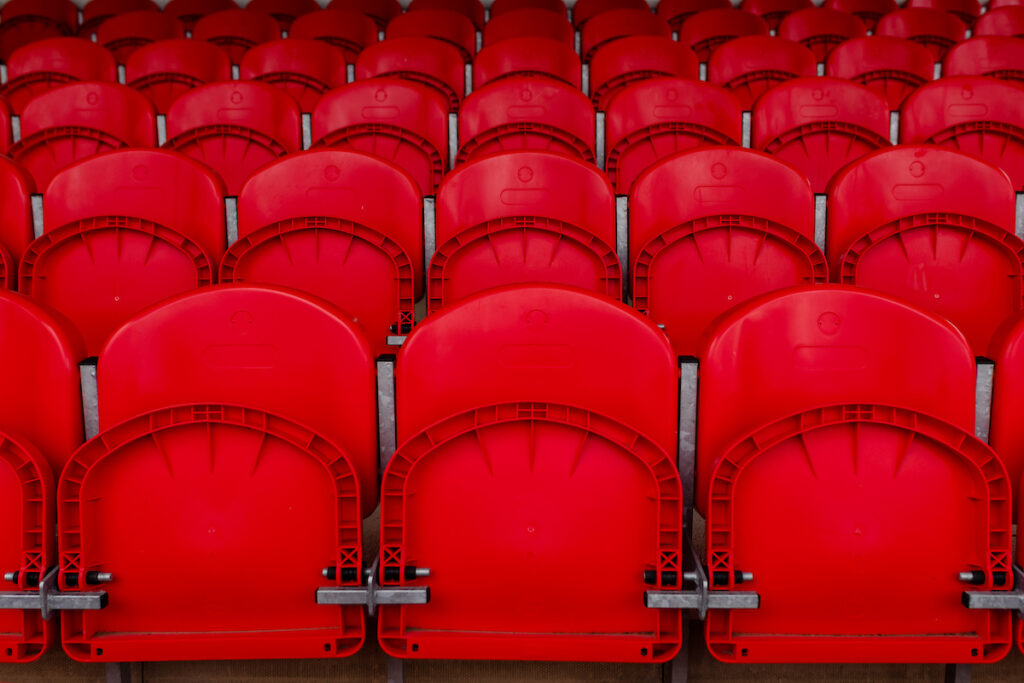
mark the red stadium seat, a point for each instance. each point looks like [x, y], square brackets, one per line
[341, 225]
[774, 11]
[935, 29]
[526, 113]
[868, 11]
[41, 426]
[124, 231]
[499, 7]
[523, 217]
[126, 33]
[234, 127]
[166, 70]
[530, 23]
[892, 67]
[1005, 433]
[16, 189]
[967, 11]
[751, 65]
[5, 127]
[527, 57]
[80, 120]
[562, 468]
[189, 12]
[820, 125]
[381, 11]
[712, 228]
[471, 9]
[284, 11]
[675, 12]
[811, 453]
[656, 118]
[584, 10]
[1008, 21]
[635, 58]
[95, 12]
[451, 27]
[305, 69]
[616, 24]
[998, 4]
[978, 115]
[706, 31]
[996, 56]
[349, 31]
[236, 31]
[26, 21]
[405, 123]
[933, 227]
[821, 29]
[51, 63]
[208, 459]
[423, 60]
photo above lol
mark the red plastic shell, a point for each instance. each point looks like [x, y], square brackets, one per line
[126, 33]
[531, 23]
[16, 189]
[236, 30]
[234, 127]
[821, 29]
[584, 10]
[303, 68]
[441, 24]
[967, 11]
[868, 11]
[819, 125]
[774, 11]
[973, 114]
[349, 31]
[523, 217]
[555, 469]
[405, 123]
[526, 113]
[751, 65]
[499, 7]
[423, 60]
[166, 70]
[317, 222]
[527, 57]
[936, 30]
[471, 9]
[892, 67]
[656, 118]
[284, 11]
[51, 63]
[798, 415]
[712, 228]
[675, 12]
[1007, 21]
[95, 12]
[706, 31]
[934, 227]
[26, 21]
[996, 56]
[997, 4]
[189, 12]
[1005, 433]
[76, 121]
[635, 58]
[381, 11]
[613, 25]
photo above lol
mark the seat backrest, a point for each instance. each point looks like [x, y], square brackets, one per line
[499, 7]
[610, 26]
[532, 23]
[16, 189]
[936, 30]
[303, 68]
[868, 11]
[441, 24]
[380, 11]
[584, 10]
[166, 69]
[95, 12]
[705, 31]
[750, 65]
[46, 64]
[675, 12]
[26, 21]
[527, 56]
[632, 58]
[284, 11]
[892, 67]
[236, 30]
[821, 29]
[1006, 21]
[125, 33]
[996, 56]
[189, 12]
[471, 9]
[774, 11]
[419, 59]
[966, 10]
[346, 30]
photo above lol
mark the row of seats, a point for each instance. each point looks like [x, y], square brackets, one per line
[546, 449]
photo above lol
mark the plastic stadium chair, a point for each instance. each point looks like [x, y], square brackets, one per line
[868, 11]
[124, 231]
[1005, 434]
[610, 26]
[523, 217]
[16, 232]
[820, 125]
[234, 127]
[656, 118]
[892, 67]
[166, 70]
[996, 56]
[584, 10]
[95, 12]
[749, 66]
[80, 120]
[1007, 21]
[526, 113]
[305, 69]
[41, 427]
[471, 9]
[706, 31]
[933, 227]
[527, 57]
[774, 11]
[821, 29]
[189, 12]
[627, 60]
[531, 23]
[712, 228]
[530, 462]
[966, 11]
[451, 27]
[499, 7]
[208, 458]
[974, 114]
[341, 225]
[936, 30]
[284, 11]
[349, 31]
[236, 31]
[675, 12]
[47, 64]
[26, 21]
[126, 33]
[380, 11]
[403, 122]
[422, 60]
[811, 454]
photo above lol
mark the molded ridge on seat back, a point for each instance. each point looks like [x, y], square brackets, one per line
[868, 11]
[527, 56]
[892, 67]
[165, 70]
[303, 68]
[46, 64]
[997, 56]
[675, 12]
[530, 22]
[348, 31]
[632, 58]
[750, 65]
[705, 31]
[418, 59]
